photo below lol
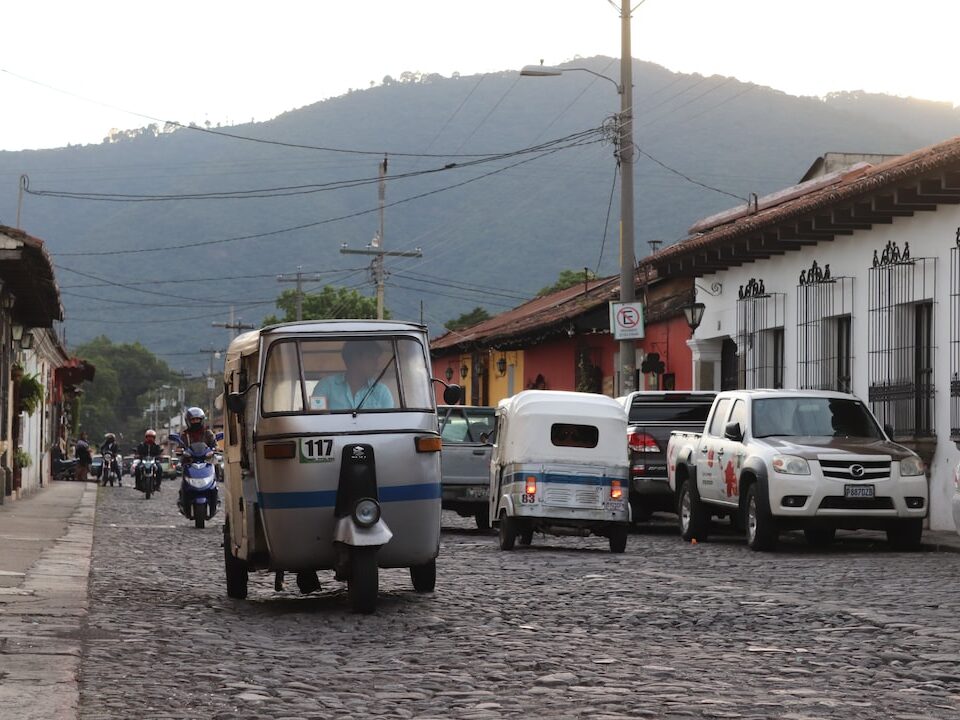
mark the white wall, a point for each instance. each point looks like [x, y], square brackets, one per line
[930, 234]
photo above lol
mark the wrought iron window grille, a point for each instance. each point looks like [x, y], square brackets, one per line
[824, 330]
[760, 337]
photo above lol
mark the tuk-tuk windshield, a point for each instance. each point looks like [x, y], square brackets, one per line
[346, 375]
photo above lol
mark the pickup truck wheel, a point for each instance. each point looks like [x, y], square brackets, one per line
[508, 531]
[483, 518]
[819, 536]
[762, 533]
[694, 518]
[905, 535]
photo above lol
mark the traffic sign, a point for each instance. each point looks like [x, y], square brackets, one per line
[626, 320]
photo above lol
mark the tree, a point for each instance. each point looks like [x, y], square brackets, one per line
[329, 304]
[566, 279]
[468, 319]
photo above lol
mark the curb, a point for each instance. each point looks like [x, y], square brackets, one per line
[41, 625]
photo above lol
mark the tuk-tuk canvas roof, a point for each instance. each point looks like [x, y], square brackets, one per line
[530, 415]
[245, 344]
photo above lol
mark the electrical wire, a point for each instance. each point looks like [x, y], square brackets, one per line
[606, 223]
[486, 117]
[685, 176]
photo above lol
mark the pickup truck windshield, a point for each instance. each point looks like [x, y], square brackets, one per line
[813, 417]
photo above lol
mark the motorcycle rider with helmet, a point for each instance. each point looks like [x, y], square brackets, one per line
[149, 448]
[195, 431]
[109, 445]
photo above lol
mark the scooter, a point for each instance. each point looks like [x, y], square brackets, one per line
[148, 476]
[199, 496]
[109, 469]
[65, 469]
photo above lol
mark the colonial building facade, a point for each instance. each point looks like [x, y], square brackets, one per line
[849, 281]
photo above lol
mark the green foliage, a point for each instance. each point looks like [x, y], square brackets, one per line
[126, 373]
[468, 319]
[22, 458]
[329, 304]
[566, 279]
[31, 393]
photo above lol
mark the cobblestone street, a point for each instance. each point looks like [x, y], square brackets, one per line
[562, 629]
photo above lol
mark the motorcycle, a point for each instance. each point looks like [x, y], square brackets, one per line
[199, 496]
[147, 477]
[109, 469]
[65, 469]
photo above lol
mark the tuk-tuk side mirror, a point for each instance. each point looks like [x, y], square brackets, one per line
[452, 395]
[236, 402]
[733, 432]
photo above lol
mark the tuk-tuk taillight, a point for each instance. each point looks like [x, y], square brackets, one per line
[530, 487]
[430, 443]
[616, 490]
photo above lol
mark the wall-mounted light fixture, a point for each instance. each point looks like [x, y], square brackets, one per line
[464, 370]
[694, 315]
[448, 373]
[7, 300]
[26, 342]
[502, 365]
[16, 331]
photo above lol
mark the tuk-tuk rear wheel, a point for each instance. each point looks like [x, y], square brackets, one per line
[236, 569]
[508, 531]
[424, 576]
[618, 539]
[525, 535]
[364, 579]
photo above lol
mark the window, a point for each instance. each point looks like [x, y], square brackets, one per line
[843, 328]
[813, 417]
[467, 425]
[824, 324]
[760, 321]
[569, 435]
[738, 415]
[719, 418]
[653, 411]
[346, 375]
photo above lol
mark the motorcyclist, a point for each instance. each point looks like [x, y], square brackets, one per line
[109, 445]
[195, 431]
[148, 448]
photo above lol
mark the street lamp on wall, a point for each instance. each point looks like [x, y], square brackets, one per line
[448, 373]
[16, 331]
[464, 370]
[26, 342]
[502, 365]
[694, 315]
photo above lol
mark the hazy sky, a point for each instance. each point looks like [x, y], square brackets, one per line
[230, 61]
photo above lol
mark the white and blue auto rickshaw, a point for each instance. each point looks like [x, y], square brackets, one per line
[332, 455]
[559, 466]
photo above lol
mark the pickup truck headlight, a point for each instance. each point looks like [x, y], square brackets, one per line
[911, 466]
[791, 465]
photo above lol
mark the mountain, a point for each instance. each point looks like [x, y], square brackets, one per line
[491, 241]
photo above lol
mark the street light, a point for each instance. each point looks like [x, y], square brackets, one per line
[694, 315]
[628, 361]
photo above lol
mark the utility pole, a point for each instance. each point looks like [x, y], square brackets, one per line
[211, 380]
[375, 247]
[628, 360]
[234, 325]
[299, 278]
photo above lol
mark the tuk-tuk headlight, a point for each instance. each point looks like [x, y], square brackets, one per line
[366, 512]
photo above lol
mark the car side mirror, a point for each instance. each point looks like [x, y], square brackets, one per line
[452, 395]
[733, 432]
[236, 402]
[888, 429]
[485, 438]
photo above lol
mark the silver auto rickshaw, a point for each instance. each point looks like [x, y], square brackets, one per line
[332, 455]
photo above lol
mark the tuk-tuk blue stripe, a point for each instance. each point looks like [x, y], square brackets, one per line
[328, 498]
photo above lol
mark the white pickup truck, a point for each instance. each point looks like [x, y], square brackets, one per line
[778, 460]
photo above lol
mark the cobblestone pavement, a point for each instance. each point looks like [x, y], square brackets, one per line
[562, 629]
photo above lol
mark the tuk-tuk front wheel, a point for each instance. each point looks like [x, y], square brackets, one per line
[508, 531]
[236, 569]
[364, 580]
[424, 576]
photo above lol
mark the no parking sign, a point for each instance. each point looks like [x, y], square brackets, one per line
[626, 320]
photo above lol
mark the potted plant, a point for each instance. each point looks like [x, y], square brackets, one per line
[22, 459]
[31, 394]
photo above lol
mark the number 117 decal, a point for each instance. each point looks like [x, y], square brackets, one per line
[316, 450]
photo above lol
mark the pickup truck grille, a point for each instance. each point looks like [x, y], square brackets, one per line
[856, 470]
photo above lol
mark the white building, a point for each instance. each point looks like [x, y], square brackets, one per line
[848, 281]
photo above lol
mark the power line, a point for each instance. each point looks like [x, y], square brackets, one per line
[606, 223]
[684, 176]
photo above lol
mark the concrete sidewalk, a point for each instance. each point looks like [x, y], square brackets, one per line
[46, 542]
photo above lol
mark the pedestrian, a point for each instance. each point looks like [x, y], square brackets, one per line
[84, 457]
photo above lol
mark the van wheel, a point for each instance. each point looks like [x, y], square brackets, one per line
[236, 569]
[482, 517]
[508, 531]
[424, 576]
[694, 518]
[819, 536]
[762, 533]
[905, 535]
[618, 539]
[364, 579]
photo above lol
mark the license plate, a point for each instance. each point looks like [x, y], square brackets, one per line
[859, 491]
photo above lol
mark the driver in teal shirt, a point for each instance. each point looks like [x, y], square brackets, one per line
[346, 390]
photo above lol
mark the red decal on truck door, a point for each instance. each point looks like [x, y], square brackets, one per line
[730, 478]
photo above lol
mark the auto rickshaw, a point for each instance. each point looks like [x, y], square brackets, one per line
[332, 455]
[560, 467]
